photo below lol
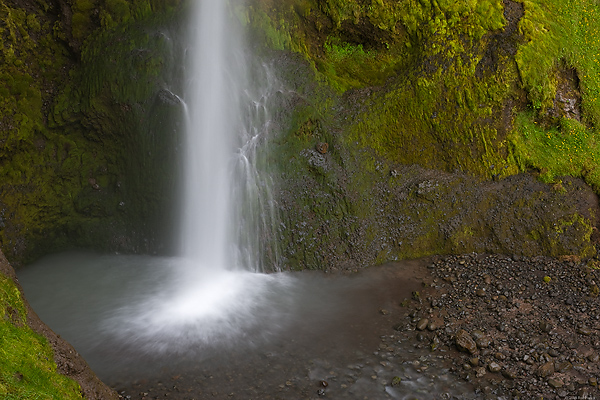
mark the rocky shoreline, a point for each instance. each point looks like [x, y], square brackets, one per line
[459, 327]
[524, 328]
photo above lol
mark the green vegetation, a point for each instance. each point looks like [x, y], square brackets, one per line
[70, 122]
[454, 86]
[552, 138]
[456, 78]
[27, 367]
[567, 149]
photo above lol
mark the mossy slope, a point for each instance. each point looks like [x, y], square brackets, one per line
[34, 362]
[442, 85]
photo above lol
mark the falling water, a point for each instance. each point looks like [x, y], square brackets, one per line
[214, 292]
[212, 116]
[227, 218]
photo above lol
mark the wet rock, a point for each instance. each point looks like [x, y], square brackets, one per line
[494, 367]
[585, 331]
[432, 326]
[509, 373]
[555, 383]
[545, 370]
[480, 372]
[545, 327]
[564, 366]
[483, 342]
[435, 343]
[464, 342]
[422, 324]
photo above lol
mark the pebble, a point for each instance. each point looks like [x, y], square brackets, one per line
[509, 373]
[422, 324]
[483, 342]
[564, 366]
[545, 370]
[464, 342]
[555, 383]
[584, 331]
[494, 367]
[545, 327]
[432, 326]
[553, 352]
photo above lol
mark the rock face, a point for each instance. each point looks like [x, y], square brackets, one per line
[90, 161]
[67, 361]
[398, 132]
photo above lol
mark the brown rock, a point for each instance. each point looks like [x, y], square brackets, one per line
[322, 147]
[545, 370]
[464, 342]
[484, 342]
[555, 383]
[494, 367]
[422, 324]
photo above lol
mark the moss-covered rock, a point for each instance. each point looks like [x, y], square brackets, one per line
[89, 145]
[88, 142]
[34, 361]
[451, 102]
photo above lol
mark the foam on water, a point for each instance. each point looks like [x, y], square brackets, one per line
[201, 307]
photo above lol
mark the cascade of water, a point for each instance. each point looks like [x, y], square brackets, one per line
[212, 294]
[254, 206]
[212, 107]
[228, 216]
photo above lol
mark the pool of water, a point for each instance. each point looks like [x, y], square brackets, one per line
[150, 324]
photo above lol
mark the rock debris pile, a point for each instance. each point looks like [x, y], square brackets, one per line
[513, 327]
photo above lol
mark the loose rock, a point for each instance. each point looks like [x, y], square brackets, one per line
[464, 342]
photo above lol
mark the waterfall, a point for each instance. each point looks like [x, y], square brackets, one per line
[228, 217]
[212, 118]
[212, 292]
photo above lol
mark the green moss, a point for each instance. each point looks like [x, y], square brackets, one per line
[58, 142]
[27, 367]
[567, 149]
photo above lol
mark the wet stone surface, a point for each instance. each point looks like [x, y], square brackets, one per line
[459, 327]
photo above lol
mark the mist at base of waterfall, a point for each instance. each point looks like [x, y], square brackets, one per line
[127, 313]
